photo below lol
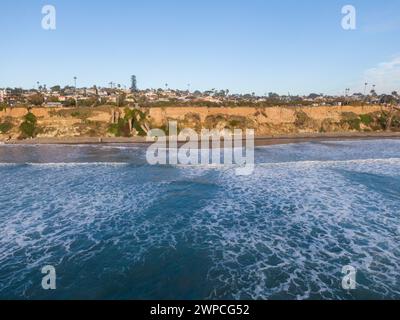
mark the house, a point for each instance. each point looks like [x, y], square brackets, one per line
[3, 95]
[53, 104]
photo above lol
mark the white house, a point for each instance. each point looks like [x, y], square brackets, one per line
[3, 95]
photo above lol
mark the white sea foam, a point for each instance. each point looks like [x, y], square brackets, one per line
[67, 164]
[79, 164]
[391, 161]
[284, 232]
[292, 223]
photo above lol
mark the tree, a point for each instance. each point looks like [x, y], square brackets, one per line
[28, 127]
[69, 103]
[36, 99]
[121, 100]
[390, 101]
[273, 95]
[313, 96]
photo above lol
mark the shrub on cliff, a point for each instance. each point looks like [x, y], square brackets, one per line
[5, 127]
[28, 128]
[366, 119]
[302, 120]
[352, 120]
[3, 106]
[120, 129]
[69, 103]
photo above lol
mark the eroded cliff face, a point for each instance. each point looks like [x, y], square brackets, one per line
[95, 122]
[276, 120]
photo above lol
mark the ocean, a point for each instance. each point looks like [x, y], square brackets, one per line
[115, 227]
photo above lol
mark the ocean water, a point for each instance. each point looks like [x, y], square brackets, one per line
[117, 228]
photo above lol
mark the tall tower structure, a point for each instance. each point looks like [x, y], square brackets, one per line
[133, 84]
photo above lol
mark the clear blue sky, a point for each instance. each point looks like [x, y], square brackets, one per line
[295, 46]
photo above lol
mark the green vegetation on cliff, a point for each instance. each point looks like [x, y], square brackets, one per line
[377, 121]
[5, 127]
[79, 113]
[3, 106]
[29, 127]
[303, 120]
[133, 121]
[366, 119]
[352, 120]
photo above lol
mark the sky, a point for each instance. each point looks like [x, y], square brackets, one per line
[261, 46]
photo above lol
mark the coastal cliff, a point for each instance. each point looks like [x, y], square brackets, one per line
[98, 122]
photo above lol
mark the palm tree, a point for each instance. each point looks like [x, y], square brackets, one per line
[76, 98]
[373, 92]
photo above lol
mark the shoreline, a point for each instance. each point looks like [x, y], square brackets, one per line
[259, 140]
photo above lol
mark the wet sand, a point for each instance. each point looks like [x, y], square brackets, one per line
[259, 140]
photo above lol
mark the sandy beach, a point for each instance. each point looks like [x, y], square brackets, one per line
[259, 140]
